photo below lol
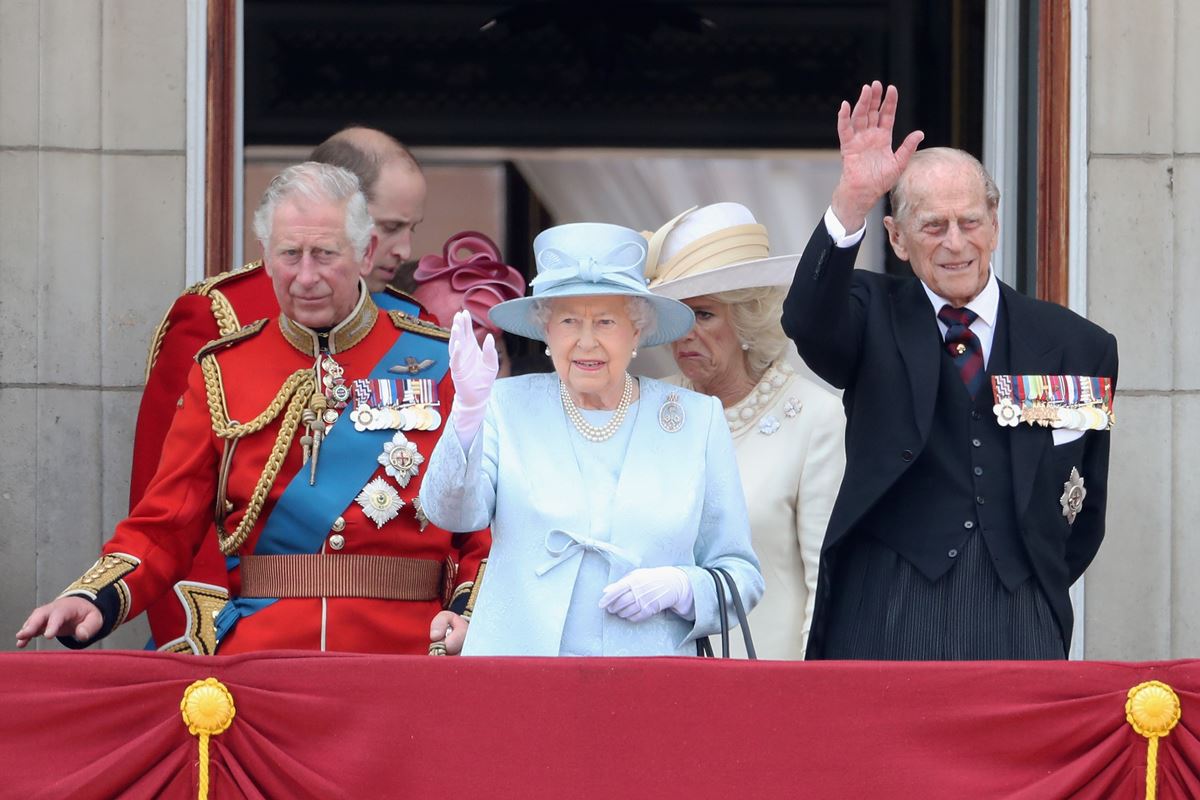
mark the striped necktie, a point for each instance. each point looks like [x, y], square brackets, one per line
[963, 345]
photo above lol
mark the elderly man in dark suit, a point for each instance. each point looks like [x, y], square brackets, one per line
[960, 524]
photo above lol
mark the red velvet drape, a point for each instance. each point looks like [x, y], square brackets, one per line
[107, 724]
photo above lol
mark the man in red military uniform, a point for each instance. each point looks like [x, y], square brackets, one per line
[306, 435]
[395, 192]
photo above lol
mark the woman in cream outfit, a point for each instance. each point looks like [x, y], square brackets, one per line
[788, 432]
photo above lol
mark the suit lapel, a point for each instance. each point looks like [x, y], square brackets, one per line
[1031, 352]
[915, 328]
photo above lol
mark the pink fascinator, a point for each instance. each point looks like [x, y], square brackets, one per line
[468, 274]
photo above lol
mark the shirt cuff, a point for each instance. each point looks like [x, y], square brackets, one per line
[837, 231]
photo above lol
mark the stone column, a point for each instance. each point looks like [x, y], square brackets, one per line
[1144, 286]
[92, 166]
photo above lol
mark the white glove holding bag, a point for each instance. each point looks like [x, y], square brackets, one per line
[473, 370]
[645, 592]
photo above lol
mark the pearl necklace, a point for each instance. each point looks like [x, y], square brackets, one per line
[585, 428]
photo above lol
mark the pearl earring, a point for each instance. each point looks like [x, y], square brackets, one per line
[634, 353]
[745, 345]
[547, 351]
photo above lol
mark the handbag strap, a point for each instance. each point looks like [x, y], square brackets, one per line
[703, 645]
[722, 578]
[740, 610]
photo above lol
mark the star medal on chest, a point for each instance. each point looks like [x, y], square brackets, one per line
[670, 414]
[1072, 496]
[380, 502]
[401, 459]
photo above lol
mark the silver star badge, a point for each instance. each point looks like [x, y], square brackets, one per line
[380, 502]
[401, 459]
[1072, 496]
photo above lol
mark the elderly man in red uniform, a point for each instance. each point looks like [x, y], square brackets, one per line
[394, 187]
[305, 436]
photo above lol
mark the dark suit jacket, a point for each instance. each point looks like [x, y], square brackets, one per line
[869, 334]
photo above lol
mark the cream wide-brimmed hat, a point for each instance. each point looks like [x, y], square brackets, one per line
[714, 248]
[584, 259]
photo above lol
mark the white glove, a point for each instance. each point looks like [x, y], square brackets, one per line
[473, 370]
[644, 592]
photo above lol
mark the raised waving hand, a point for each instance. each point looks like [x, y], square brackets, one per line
[870, 168]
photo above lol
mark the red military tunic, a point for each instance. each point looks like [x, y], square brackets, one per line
[207, 311]
[154, 547]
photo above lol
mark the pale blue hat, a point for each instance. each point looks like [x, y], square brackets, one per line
[591, 258]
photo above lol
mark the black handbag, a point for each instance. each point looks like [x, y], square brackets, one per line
[703, 646]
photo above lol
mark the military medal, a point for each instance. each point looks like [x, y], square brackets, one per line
[401, 459]
[362, 416]
[670, 414]
[380, 502]
[1072, 496]
[408, 404]
[1072, 402]
[333, 382]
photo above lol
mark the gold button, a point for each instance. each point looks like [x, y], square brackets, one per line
[339, 525]
[337, 541]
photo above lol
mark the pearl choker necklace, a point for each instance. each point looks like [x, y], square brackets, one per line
[585, 428]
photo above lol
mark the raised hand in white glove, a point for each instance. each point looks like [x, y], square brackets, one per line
[473, 370]
[644, 592]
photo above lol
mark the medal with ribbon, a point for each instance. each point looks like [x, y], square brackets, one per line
[398, 404]
[1073, 402]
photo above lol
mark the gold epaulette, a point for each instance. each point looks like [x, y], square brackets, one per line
[222, 310]
[231, 338]
[407, 322]
[205, 287]
[403, 295]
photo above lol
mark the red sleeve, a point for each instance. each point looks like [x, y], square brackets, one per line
[188, 326]
[168, 524]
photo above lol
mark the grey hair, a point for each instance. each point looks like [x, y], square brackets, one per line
[942, 155]
[640, 310]
[318, 183]
[754, 314]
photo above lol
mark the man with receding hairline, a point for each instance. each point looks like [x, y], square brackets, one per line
[394, 187]
[977, 418]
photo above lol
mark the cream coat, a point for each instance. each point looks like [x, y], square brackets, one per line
[790, 475]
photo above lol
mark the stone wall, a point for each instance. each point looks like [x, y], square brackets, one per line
[92, 192]
[1143, 600]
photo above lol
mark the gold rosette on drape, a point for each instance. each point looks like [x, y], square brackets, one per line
[208, 710]
[1152, 709]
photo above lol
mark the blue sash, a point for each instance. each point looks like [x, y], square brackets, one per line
[304, 514]
[389, 302]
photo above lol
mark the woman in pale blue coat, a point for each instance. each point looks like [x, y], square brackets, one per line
[607, 495]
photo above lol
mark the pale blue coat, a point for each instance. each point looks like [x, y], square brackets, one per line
[678, 502]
